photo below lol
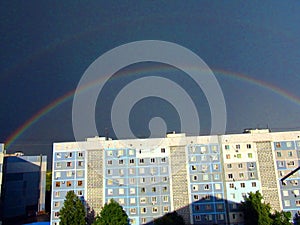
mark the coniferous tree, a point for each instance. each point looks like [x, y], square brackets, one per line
[112, 214]
[72, 211]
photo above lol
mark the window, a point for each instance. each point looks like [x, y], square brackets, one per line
[121, 172]
[285, 193]
[163, 160]
[197, 218]
[69, 183]
[142, 161]
[220, 216]
[165, 198]
[215, 166]
[109, 162]
[250, 155]
[214, 148]
[131, 152]
[143, 210]
[278, 154]
[165, 179]
[121, 181]
[208, 207]
[142, 180]
[287, 203]
[203, 149]
[57, 194]
[69, 164]
[205, 177]
[57, 184]
[79, 183]
[152, 160]
[120, 152]
[240, 165]
[162, 150]
[206, 187]
[248, 146]
[58, 155]
[56, 214]
[131, 171]
[121, 162]
[57, 175]
[194, 168]
[251, 174]
[109, 153]
[228, 156]
[230, 176]
[166, 208]
[56, 204]
[291, 163]
[220, 206]
[153, 189]
[121, 201]
[238, 146]
[110, 182]
[218, 196]
[58, 165]
[131, 161]
[195, 187]
[278, 145]
[227, 147]
[243, 185]
[152, 179]
[241, 175]
[109, 172]
[216, 177]
[132, 200]
[131, 180]
[253, 184]
[143, 200]
[297, 202]
[80, 163]
[142, 170]
[143, 190]
[217, 186]
[143, 220]
[121, 191]
[132, 210]
[153, 199]
[290, 153]
[289, 144]
[154, 210]
[195, 178]
[239, 156]
[229, 166]
[80, 154]
[231, 185]
[164, 169]
[165, 189]
[196, 197]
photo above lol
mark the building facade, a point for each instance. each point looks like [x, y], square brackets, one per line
[203, 178]
[23, 186]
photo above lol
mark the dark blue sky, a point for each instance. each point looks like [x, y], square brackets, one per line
[47, 45]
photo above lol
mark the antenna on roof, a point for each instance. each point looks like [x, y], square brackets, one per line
[106, 133]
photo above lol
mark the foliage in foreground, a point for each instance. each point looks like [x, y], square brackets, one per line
[112, 214]
[72, 211]
[257, 212]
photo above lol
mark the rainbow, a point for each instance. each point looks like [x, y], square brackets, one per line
[69, 95]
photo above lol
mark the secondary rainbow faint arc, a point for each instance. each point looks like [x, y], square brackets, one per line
[57, 102]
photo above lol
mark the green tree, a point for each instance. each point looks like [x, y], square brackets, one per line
[281, 218]
[258, 212]
[112, 214]
[255, 210]
[72, 211]
[171, 219]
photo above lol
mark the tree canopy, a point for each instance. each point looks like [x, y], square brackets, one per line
[257, 212]
[72, 211]
[112, 214]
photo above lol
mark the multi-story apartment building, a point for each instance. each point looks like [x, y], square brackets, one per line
[23, 186]
[203, 178]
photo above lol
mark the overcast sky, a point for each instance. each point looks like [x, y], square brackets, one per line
[252, 47]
